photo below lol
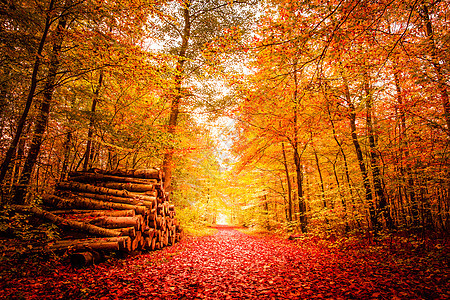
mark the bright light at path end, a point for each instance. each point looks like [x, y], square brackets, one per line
[222, 219]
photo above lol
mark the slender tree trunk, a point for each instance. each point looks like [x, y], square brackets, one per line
[322, 187]
[288, 180]
[34, 80]
[435, 60]
[66, 154]
[297, 160]
[44, 112]
[347, 174]
[359, 156]
[176, 98]
[87, 155]
[4, 96]
[383, 209]
[404, 152]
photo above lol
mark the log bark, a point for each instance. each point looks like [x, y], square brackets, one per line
[131, 187]
[81, 187]
[92, 229]
[138, 173]
[88, 188]
[119, 222]
[109, 198]
[82, 259]
[128, 231]
[90, 177]
[96, 213]
[122, 242]
[59, 202]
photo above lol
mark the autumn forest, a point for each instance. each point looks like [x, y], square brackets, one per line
[299, 118]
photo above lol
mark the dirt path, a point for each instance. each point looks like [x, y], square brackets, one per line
[231, 265]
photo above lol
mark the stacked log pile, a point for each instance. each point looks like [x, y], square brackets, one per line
[119, 210]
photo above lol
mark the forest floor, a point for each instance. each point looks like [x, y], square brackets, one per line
[234, 265]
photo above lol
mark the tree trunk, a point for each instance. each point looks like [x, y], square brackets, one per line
[20, 126]
[288, 180]
[405, 172]
[176, 98]
[383, 208]
[87, 155]
[297, 161]
[359, 156]
[436, 62]
[44, 112]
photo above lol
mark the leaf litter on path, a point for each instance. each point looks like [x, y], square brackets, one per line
[232, 265]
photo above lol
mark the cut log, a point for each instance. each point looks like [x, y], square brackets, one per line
[92, 229]
[82, 259]
[137, 241]
[83, 187]
[59, 202]
[139, 173]
[88, 188]
[149, 232]
[152, 194]
[111, 243]
[147, 243]
[96, 213]
[131, 187]
[94, 177]
[128, 231]
[153, 245]
[116, 199]
[119, 222]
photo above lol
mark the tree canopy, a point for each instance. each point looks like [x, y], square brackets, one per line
[337, 112]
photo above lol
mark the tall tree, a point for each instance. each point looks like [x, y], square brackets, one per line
[191, 26]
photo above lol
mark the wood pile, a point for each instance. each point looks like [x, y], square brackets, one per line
[119, 210]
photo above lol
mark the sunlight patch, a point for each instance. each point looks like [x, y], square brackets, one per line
[222, 219]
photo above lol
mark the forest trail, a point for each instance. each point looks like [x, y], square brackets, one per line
[233, 265]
